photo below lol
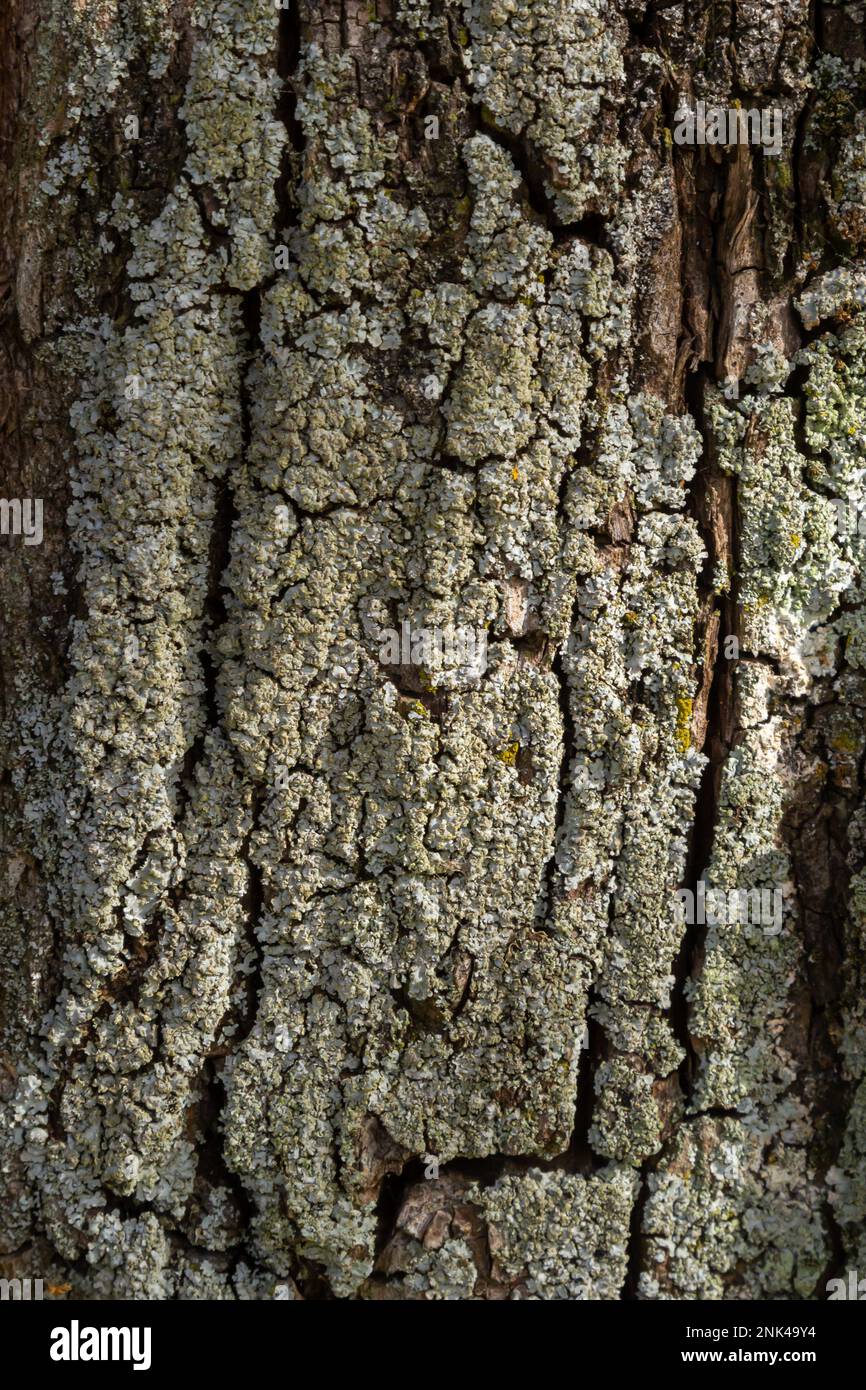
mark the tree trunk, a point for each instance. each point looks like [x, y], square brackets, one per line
[450, 571]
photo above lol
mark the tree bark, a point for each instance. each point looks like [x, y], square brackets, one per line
[361, 976]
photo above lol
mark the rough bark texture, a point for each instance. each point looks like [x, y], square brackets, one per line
[285, 929]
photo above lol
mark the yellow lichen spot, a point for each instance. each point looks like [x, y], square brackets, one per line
[508, 754]
[58, 1290]
[795, 539]
[515, 473]
[683, 731]
[630, 618]
[845, 742]
[416, 709]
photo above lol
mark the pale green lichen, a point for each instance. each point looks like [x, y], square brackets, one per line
[559, 1235]
[732, 1209]
[343, 895]
[565, 107]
